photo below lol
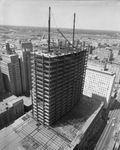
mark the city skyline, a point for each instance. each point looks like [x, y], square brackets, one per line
[100, 15]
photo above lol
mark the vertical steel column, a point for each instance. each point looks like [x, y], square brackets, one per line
[49, 86]
[74, 29]
[36, 85]
[49, 29]
[31, 83]
[43, 91]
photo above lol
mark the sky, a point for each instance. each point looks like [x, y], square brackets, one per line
[103, 15]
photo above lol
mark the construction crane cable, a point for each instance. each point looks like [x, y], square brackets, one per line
[78, 24]
[45, 21]
[64, 36]
[54, 19]
[66, 22]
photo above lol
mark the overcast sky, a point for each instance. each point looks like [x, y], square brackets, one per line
[103, 15]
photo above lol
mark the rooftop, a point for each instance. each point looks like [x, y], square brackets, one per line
[4, 104]
[27, 101]
[8, 55]
[24, 133]
[7, 100]
[59, 51]
[99, 70]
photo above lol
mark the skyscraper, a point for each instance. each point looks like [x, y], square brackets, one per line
[24, 57]
[57, 82]
[11, 73]
[27, 46]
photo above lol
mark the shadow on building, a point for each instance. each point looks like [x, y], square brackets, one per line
[85, 118]
[115, 105]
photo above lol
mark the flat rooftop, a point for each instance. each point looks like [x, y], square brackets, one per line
[7, 100]
[94, 68]
[57, 51]
[27, 101]
[8, 55]
[4, 100]
[25, 133]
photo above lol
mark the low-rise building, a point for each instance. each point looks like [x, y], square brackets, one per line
[11, 108]
[103, 53]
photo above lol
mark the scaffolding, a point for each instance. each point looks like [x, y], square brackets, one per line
[57, 83]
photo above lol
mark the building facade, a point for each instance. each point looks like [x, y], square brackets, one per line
[27, 46]
[99, 84]
[11, 108]
[96, 64]
[57, 83]
[112, 67]
[24, 59]
[1, 83]
[11, 73]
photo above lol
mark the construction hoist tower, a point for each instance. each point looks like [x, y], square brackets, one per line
[57, 78]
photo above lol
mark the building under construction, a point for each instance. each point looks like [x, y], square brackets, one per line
[57, 83]
[57, 75]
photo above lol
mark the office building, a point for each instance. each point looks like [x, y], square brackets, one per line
[99, 84]
[24, 59]
[27, 46]
[96, 64]
[111, 67]
[57, 82]
[11, 73]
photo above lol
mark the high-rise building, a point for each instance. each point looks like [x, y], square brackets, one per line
[57, 82]
[27, 46]
[99, 84]
[24, 57]
[8, 49]
[11, 73]
[1, 82]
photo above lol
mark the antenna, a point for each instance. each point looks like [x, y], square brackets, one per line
[49, 29]
[74, 29]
